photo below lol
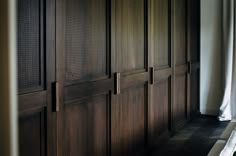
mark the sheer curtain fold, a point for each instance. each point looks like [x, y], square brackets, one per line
[227, 109]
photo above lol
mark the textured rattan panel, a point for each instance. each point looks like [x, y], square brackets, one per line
[85, 39]
[29, 68]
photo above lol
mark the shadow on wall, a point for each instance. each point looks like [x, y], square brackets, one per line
[211, 57]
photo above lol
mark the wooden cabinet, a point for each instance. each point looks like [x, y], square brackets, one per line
[129, 46]
[160, 62]
[36, 73]
[84, 77]
[180, 62]
[105, 77]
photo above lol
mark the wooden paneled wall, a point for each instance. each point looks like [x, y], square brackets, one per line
[105, 77]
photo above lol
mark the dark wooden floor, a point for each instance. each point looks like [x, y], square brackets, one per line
[195, 139]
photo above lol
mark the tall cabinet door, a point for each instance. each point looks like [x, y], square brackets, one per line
[194, 56]
[129, 43]
[159, 114]
[35, 50]
[179, 49]
[83, 77]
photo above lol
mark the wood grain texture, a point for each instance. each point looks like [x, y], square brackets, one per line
[159, 111]
[162, 74]
[91, 121]
[32, 101]
[32, 135]
[85, 125]
[129, 34]
[160, 33]
[179, 24]
[180, 101]
[127, 122]
[84, 74]
[50, 76]
[85, 39]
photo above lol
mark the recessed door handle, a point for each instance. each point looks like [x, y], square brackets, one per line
[189, 67]
[56, 99]
[152, 78]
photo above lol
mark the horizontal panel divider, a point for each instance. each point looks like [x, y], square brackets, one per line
[86, 98]
[182, 69]
[75, 82]
[134, 80]
[36, 100]
[138, 71]
[162, 74]
[87, 89]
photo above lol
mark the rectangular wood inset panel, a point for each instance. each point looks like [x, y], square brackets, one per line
[159, 110]
[85, 39]
[85, 127]
[194, 30]
[179, 31]
[128, 125]
[194, 92]
[180, 99]
[160, 33]
[32, 135]
[129, 44]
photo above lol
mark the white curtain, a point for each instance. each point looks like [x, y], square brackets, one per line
[227, 109]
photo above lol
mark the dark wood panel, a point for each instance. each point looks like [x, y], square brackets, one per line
[194, 29]
[36, 59]
[194, 93]
[129, 35]
[127, 81]
[86, 127]
[84, 73]
[182, 69]
[159, 111]
[77, 91]
[85, 39]
[50, 76]
[32, 101]
[159, 75]
[128, 121]
[32, 138]
[180, 101]
[179, 32]
[160, 32]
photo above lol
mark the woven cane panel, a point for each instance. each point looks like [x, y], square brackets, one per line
[28, 28]
[85, 39]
